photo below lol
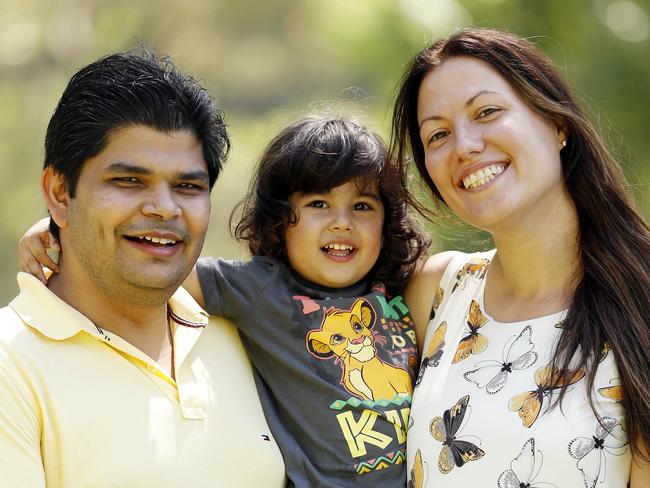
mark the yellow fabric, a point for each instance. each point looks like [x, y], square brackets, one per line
[80, 407]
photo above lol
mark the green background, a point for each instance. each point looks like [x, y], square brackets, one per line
[267, 62]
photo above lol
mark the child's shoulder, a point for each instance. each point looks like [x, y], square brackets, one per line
[256, 268]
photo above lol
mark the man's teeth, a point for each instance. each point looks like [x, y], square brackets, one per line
[158, 240]
[483, 175]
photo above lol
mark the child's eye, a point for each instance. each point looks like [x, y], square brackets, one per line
[362, 206]
[317, 204]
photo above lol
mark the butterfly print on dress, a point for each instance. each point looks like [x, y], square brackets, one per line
[416, 478]
[437, 300]
[591, 452]
[523, 470]
[548, 379]
[476, 268]
[517, 355]
[614, 392]
[431, 357]
[454, 452]
[474, 342]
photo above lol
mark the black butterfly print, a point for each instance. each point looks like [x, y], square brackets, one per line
[433, 353]
[455, 452]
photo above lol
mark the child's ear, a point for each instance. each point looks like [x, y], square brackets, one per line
[56, 195]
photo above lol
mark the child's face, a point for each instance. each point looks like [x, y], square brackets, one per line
[337, 238]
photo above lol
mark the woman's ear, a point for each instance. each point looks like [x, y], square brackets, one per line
[562, 134]
[56, 195]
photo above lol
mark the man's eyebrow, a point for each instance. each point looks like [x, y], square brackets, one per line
[467, 104]
[199, 174]
[122, 167]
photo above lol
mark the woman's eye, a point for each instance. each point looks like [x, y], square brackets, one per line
[487, 111]
[436, 136]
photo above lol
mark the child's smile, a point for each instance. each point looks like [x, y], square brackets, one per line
[337, 238]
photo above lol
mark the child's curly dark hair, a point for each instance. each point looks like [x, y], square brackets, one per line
[313, 155]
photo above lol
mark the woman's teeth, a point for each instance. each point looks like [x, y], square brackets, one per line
[483, 175]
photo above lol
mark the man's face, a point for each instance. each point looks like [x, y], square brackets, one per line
[140, 212]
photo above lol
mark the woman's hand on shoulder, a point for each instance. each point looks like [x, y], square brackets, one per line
[421, 290]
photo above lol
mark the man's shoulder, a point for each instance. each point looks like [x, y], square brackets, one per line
[12, 327]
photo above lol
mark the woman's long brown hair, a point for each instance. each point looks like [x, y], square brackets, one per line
[611, 302]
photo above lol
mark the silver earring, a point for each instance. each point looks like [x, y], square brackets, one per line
[564, 143]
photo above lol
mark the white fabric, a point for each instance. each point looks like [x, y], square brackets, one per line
[472, 404]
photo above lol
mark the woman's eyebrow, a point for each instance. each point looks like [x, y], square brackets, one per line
[467, 104]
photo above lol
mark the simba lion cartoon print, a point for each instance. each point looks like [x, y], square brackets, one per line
[347, 335]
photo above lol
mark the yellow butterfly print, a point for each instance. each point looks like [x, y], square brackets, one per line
[612, 392]
[476, 268]
[454, 452]
[529, 404]
[474, 342]
[416, 480]
[437, 300]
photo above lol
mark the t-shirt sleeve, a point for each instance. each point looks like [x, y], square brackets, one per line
[20, 441]
[232, 288]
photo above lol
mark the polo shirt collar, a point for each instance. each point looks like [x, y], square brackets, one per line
[41, 309]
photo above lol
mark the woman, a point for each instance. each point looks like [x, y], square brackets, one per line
[535, 369]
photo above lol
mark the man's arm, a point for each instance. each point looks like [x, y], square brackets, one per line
[21, 463]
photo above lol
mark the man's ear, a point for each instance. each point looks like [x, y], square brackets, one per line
[56, 195]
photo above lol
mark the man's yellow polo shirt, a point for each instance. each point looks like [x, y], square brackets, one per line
[80, 407]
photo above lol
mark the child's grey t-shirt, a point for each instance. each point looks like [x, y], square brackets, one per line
[334, 369]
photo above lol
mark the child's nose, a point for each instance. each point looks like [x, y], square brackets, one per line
[341, 221]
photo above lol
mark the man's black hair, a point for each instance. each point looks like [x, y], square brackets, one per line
[125, 89]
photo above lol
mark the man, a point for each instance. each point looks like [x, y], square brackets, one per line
[110, 374]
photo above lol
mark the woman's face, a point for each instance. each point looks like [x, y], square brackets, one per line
[495, 161]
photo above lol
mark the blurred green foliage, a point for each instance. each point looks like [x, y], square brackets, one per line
[268, 62]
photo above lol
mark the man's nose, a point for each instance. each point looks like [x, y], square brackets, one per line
[161, 203]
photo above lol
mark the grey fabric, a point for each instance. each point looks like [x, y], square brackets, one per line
[329, 435]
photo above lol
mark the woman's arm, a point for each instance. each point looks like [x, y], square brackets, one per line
[421, 290]
[640, 470]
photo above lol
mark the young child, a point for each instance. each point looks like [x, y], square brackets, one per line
[319, 306]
